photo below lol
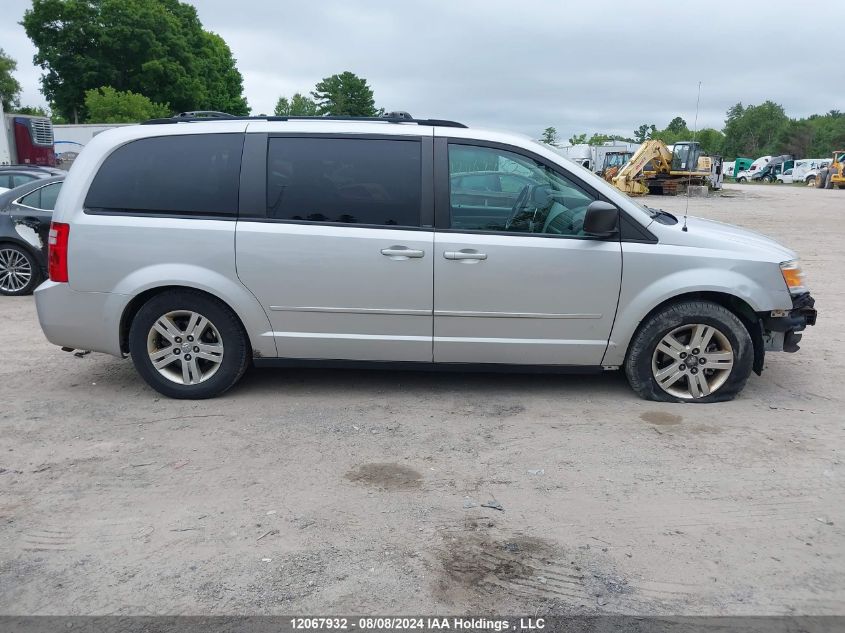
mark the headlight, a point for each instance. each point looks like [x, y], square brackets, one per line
[793, 276]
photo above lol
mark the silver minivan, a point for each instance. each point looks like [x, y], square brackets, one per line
[199, 247]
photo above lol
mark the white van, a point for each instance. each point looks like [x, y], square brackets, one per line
[745, 175]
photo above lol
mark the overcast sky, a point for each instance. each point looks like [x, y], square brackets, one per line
[578, 66]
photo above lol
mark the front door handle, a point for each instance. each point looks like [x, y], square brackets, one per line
[464, 254]
[402, 252]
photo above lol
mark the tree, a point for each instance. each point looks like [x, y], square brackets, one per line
[107, 105]
[600, 138]
[578, 139]
[32, 110]
[644, 132]
[549, 136]
[828, 133]
[156, 48]
[298, 105]
[753, 130]
[677, 126]
[345, 94]
[9, 86]
[711, 140]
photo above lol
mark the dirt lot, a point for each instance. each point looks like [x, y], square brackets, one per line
[362, 492]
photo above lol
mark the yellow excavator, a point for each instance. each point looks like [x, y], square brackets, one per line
[655, 169]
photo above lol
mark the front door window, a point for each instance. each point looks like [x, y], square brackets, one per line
[501, 191]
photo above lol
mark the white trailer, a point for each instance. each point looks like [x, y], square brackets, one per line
[70, 139]
[5, 149]
[592, 156]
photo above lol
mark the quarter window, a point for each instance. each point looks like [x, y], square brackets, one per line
[355, 181]
[497, 190]
[181, 175]
[43, 198]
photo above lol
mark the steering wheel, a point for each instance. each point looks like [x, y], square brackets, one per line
[521, 199]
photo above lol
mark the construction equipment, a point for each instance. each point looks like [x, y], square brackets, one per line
[836, 171]
[613, 162]
[654, 168]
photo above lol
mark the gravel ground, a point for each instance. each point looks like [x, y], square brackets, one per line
[364, 492]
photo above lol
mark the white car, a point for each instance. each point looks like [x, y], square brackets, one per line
[785, 177]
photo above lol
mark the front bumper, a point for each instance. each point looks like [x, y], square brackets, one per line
[782, 328]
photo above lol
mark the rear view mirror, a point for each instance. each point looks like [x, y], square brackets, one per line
[601, 220]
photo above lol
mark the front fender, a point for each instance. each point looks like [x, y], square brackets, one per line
[638, 300]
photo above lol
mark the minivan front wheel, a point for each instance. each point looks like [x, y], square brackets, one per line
[188, 345]
[693, 351]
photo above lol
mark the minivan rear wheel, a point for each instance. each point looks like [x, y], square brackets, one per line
[691, 351]
[186, 344]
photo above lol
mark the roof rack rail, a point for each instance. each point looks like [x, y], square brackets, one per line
[204, 114]
[388, 117]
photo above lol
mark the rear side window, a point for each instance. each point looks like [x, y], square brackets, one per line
[171, 175]
[43, 198]
[355, 181]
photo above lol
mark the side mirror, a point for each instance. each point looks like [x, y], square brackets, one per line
[601, 219]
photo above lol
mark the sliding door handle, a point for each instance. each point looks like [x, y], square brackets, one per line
[402, 252]
[465, 254]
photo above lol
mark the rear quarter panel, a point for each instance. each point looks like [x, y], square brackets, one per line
[127, 255]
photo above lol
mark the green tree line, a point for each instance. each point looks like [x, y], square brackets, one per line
[116, 61]
[750, 131]
[345, 94]
[157, 49]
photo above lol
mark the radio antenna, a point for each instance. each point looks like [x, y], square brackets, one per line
[694, 133]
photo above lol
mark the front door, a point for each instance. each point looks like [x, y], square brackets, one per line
[516, 279]
[341, 262]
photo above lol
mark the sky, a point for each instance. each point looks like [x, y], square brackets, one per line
[589, 67]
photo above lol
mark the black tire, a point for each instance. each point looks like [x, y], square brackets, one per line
[742, 179]
[13, 250]
[236, 355]
[638, 363]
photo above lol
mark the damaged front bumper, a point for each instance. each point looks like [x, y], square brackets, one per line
[781, 329]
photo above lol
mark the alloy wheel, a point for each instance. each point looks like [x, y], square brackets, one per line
[15, 270]
[185, 347]
[692, 361]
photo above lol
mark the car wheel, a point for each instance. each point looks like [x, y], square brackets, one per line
[811, 181]
[692, 351]
[19, 272]
[188, 345]
[742, 179]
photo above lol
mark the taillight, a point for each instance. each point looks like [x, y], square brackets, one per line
[57, 251]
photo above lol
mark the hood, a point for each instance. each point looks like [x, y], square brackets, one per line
[710, 234]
